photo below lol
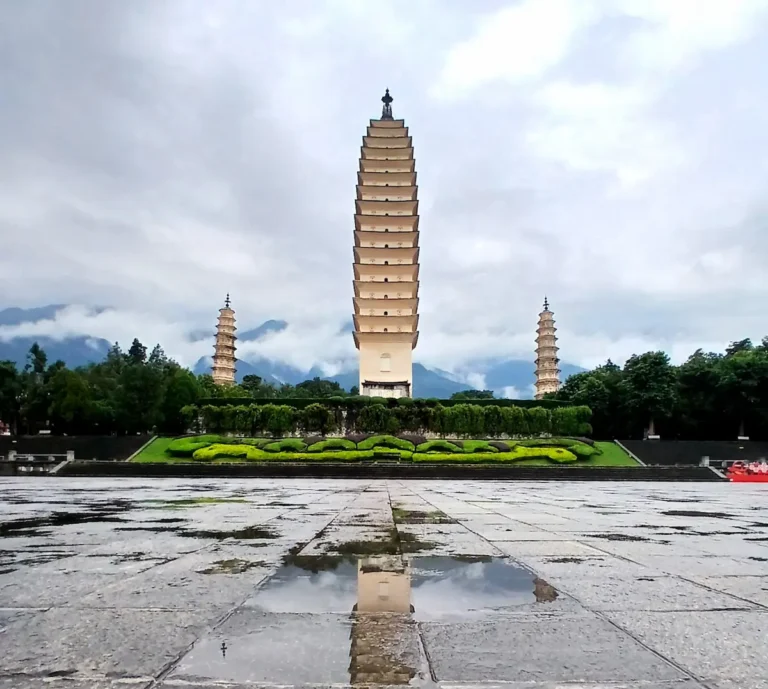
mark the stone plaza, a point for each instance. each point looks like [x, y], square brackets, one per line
[197, 583]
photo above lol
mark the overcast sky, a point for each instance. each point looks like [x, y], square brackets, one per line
[611, 154]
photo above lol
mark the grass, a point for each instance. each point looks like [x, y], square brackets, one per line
[154, 452]
[614, 456]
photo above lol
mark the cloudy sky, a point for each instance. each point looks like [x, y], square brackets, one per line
[613, 154]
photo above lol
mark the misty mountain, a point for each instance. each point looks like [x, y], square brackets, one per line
[507, 377]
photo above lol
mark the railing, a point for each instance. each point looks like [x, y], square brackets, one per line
[17, 464]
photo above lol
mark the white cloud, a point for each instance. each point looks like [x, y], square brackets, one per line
[514, 44]
[678, 31]
[597, 127]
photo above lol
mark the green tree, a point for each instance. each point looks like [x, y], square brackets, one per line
[651, 387]
[473, 395]
[182, 389]
[319, 388]
[137, 354]
[743, 383]
[10, 394]
[72, 404]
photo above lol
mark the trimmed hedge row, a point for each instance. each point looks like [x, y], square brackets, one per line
[250, 453]
[407, 416]
[360, 400]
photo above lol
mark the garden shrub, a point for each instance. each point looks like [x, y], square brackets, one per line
[479, 445]
[414, 438]
[319, 418]
[385, 441]
[342, 456]
[493, 420]
[286, 445]
[500, 445]
[388, 451]
[358, 438]
[278, 419]
[185, 447]
[554, 454]
[374, 418]
[219, 451]
[332, 444]
[515, 421]
[438, 446]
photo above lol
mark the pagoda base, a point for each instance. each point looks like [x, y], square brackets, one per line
[385, 389]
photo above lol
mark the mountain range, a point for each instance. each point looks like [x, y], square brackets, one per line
[506, 377]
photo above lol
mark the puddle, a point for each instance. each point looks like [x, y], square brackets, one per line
[403, 516]
[697, 513]
[616, 537]
[232, 566]
[247, 533]
[426, 587]
[40, 526]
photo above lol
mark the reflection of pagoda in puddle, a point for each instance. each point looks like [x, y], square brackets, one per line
[383, 629]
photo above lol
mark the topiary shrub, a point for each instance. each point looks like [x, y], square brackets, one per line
[341, 456]
[414, 438]
[438, 446]
[479, 445]
[500, 445]
[221, 451]
[379, 452]
[185, 447]
[332, 444]
[286, 445]
[385, 441]
[316, 417]
[358, 438]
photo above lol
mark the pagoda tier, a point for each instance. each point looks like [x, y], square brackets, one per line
[547, 371]
[386, 258]
[224, 361]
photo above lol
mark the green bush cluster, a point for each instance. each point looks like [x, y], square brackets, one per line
[560, 450]
[554, 454]
[332, 444]
[379, 416]
[287, 445]
[438, 446]
[385, 441]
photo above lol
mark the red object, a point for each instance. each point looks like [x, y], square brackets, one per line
[740, 472]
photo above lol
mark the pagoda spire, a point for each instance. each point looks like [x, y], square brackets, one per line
[224, 361]
[547, 372]
[386, 111]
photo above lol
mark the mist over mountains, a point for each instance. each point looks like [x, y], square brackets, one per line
[506, 377]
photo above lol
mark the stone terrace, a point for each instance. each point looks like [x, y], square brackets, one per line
[158, 583]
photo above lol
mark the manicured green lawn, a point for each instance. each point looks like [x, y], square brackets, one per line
[155, 453]
[614, 456]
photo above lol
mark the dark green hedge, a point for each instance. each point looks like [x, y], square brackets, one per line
[343, 402]
[464, 420]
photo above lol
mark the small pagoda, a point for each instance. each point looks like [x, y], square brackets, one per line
[547, 372]
[224, 361]
[386, 258]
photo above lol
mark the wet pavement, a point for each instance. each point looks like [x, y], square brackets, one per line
[200, 584]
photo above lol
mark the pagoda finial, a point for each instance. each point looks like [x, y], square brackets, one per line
[546, 304]
[226, 301]
[386, 111]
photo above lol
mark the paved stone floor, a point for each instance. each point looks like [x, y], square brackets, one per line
[195, 583]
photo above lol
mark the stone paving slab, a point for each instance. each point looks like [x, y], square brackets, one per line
[658, 593]
[716, 645]
[753, 589]
[128, 643]
[540, 649]
[634, 586]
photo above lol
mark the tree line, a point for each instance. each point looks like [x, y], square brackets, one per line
[128, 392]
[711, 396]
